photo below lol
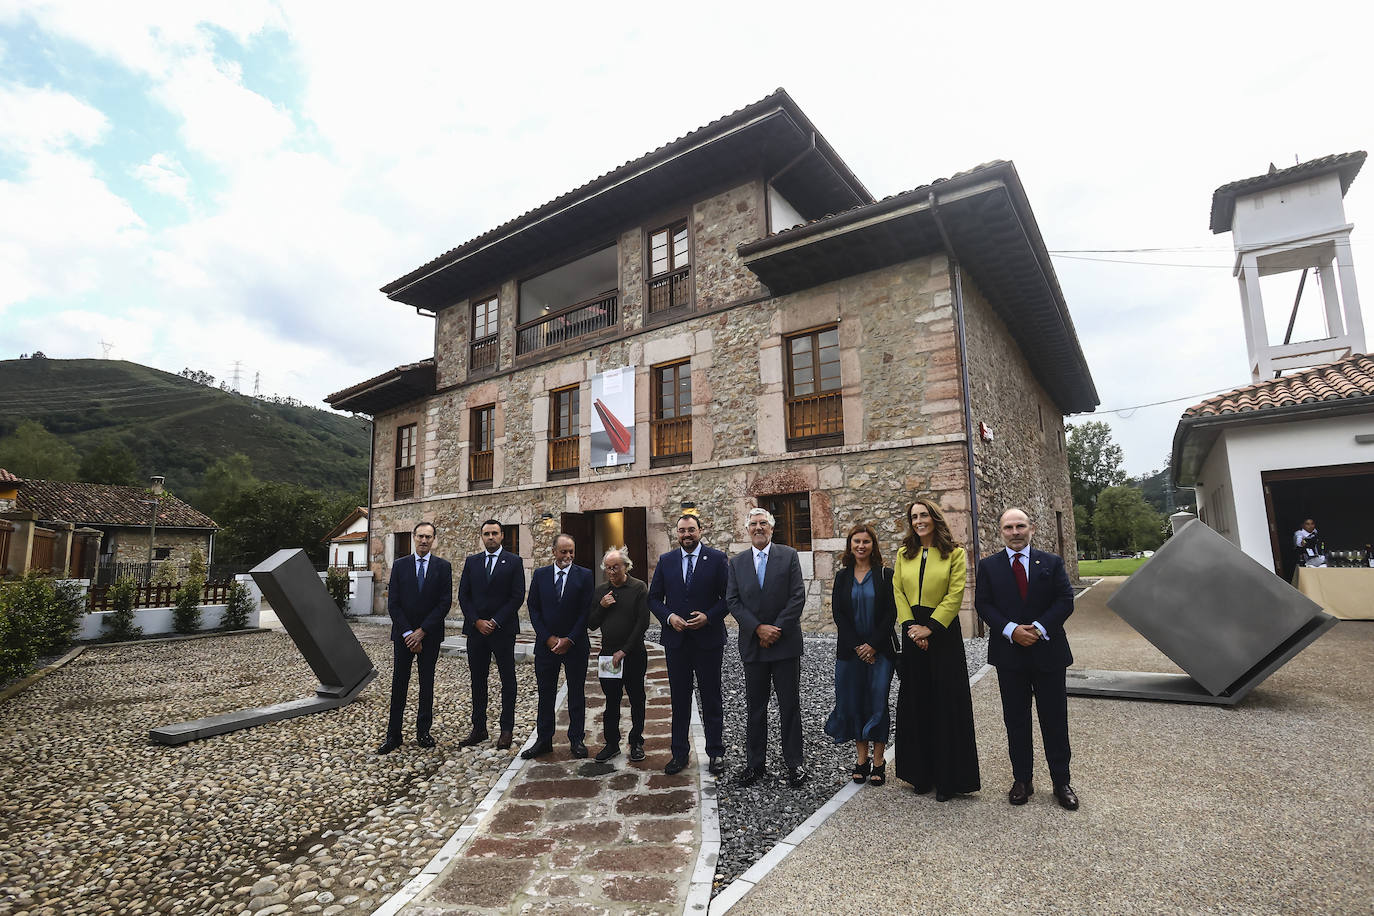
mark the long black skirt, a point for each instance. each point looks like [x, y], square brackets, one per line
[936, 747]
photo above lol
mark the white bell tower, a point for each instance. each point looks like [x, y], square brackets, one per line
[1288, 220]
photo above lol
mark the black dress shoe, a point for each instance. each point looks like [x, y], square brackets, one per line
[426, 741]
[636, 750]
[607, 752]
[749, 775]
[579, 750]
[941, 797]
[1066, 796]
[536, 750]
[503, 741]
[1020, 792]
[388, 746]
[675, 766]
[474, 737]
[795, 777]
[716, 766]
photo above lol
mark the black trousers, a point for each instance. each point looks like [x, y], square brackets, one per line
[403, 659]
[783, 677]
[631, 684]
[546, 667]
[482, 650]
[1017, 687]
[701, 663]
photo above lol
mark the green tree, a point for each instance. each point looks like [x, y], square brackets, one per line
[1124, 521]
[226, 478]
[32, 451]
[1095, 462]
[273, 516]
[109, 462]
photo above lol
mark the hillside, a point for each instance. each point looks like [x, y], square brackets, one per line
[178, 428]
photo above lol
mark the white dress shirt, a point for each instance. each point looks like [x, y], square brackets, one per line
[1024, 554]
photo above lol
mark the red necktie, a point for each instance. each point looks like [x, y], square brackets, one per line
[1022, 585]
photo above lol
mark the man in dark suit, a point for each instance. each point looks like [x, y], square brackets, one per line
[560, 600]
[766, 595]
[1024, 596]
[490, 594]
[687, 596]
[419, 594]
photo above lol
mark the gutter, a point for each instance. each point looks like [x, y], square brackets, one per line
[958, 288]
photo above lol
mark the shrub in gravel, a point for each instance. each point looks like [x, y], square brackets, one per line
[37, 617]
[240, 606]
[186, 611]
[336, 580]
[119, 623]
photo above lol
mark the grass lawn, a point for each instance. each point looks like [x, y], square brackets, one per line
[1109, 567]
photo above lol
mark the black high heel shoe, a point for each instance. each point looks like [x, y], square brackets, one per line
[861, 771]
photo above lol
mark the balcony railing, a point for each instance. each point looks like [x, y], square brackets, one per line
[563, 455]
[815, 418]
[481, 467]
[404, 487]
[483, 353]
[568, 324]
[670, 291]
[670, 441]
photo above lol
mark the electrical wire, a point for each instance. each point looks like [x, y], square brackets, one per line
[1125, 412]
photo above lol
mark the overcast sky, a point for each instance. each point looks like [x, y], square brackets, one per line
[202, 183]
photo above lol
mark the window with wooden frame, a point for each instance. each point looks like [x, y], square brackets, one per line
[563, 444]
[670, 420]
[481, 459]
[486, 335]
[402, 545]
[404, 482]
[670, 268]
[815, 412]
[510, 538]
[792, 515]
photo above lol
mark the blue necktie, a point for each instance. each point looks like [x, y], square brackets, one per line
[691, 568]
[420, 573]
[491, 563]
[760, 564]
[559, 585]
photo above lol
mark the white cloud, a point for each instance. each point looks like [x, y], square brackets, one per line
[37, 120]
[163, 174]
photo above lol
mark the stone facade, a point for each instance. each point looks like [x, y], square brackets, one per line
[131, 544]
[902, 407]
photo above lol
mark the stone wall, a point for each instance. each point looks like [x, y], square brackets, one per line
[131, 544]
[1026, 464]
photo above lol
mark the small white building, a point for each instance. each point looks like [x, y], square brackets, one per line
[348, 541]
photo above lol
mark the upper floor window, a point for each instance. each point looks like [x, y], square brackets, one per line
[481, 459]
[815, 415]
[670, 423]
[563, 419]
[404, 484]
[486, 334]
[670, 268]
[570, 301]
[792, 515]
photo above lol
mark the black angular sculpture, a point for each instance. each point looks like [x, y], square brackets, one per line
[313, 622]
[1223, 618]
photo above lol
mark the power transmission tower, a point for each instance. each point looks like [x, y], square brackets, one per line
[257, 384]
[108, 347]
[236, 377]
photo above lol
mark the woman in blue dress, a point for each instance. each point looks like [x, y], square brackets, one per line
[862, 603]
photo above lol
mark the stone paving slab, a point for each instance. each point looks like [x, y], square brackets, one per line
[574, 836]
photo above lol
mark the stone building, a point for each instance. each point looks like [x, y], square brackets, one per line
[733, 320]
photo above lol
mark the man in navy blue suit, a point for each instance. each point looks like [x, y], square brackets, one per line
[687, 596]
[560, 600]
[419, 595]
[1024, 596]
[490, 594]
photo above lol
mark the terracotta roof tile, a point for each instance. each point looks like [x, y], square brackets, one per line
[1352, 377]
[7, 477]
[105, 504]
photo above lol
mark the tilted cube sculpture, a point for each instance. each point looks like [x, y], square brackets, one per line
[312, 620]
[1223, 618]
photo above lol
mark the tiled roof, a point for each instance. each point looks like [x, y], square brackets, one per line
[7, 477]
[1224, 198]
[1352, 377]
[105, 504]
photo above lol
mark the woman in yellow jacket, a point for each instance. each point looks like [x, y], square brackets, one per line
[935, 743]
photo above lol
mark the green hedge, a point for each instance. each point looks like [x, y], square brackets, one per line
[38, 617]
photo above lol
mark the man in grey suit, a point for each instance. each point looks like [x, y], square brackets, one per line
[766, 595]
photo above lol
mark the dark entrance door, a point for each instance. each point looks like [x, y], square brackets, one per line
[1336, 498]
[596, 532]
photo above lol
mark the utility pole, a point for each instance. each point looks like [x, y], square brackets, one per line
[154, 487]
[236, 376]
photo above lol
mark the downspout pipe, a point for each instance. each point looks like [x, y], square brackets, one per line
[957, 287]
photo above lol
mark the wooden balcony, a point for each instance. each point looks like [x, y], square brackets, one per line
[569, 323]
[670, 291]
[563, 457]
[670, 441]
[481, 467]
[482, 354]
[815, 421]
[403, 486]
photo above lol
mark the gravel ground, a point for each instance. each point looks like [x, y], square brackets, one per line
[298, 814]
[753, 820]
